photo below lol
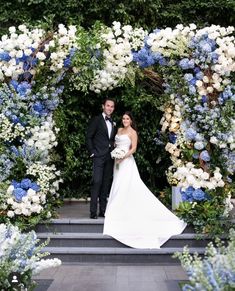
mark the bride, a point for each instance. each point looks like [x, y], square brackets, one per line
[134, 216]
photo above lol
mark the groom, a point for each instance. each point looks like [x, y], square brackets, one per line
[100, 142]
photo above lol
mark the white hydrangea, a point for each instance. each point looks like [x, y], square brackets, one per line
[189, 175]
[117, 56]
[43, 138]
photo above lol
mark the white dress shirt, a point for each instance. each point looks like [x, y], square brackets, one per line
[108, 123]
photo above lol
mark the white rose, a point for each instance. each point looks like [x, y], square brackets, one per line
[31, 192]
[35, 199]
[12, 29]
[10, 213]
[210, 89]
[41, 56]
[10, 189]
[213, 140]
[205, 79]
[10, 201]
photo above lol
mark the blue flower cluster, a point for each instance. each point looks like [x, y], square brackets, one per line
[145, 57]
[68, 60]
[203, 49]
[228, 93]
[191, 194]
[21, 188]
[6, 166]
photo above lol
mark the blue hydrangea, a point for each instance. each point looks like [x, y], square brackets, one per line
[35, 186]
[186, 64]
[199, 145]
[4, 56]
[19, 193]
[198, 195]
[190, 134]
[143, 57]
[25, 183]
[204, 155]
[15, 184]
[187, 195]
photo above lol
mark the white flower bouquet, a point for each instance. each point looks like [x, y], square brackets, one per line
[21, 255]
[118, 154]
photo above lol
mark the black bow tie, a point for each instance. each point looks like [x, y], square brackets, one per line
[108, 118]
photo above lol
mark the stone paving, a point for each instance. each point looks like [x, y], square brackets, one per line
[107, 277]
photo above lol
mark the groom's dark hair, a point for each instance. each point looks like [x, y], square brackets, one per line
[109, 99]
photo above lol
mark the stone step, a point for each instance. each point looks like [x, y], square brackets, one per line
[88, 240]
[117, 255]
[82, 225]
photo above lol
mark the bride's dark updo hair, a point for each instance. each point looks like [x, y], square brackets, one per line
[133, 123]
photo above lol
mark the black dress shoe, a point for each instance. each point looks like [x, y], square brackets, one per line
[101, 214]
[93, 216]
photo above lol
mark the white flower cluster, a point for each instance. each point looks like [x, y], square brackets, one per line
[188, 175]
[172, 115]
[45, 174]
[63, 40]
[230, 140]
[43, 138]
[173, 149]
[9, 131]
[170, 41]
[117, 56]
[36, 44]
[226, 47]
[228, 206]
[211, 83]
[16, 45]
[19, 252]
[29, 204]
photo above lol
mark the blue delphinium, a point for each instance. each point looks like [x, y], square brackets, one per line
[172, 137]
[68, 59]
[6, 166]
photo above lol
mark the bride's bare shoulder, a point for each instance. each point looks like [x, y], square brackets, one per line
[119, 130]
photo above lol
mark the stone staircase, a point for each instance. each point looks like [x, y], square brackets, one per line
[81, 240]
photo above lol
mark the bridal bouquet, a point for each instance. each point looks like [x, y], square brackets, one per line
[118, 154]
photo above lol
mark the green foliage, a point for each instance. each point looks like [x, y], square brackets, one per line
[206, 216]
[148, 14]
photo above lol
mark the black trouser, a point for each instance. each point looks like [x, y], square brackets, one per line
[101, 182]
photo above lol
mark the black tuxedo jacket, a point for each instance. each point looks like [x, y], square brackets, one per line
[97, 137]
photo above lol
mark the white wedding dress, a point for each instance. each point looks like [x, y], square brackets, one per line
[134, 216]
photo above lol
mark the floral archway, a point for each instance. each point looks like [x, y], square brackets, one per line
[197, 68]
